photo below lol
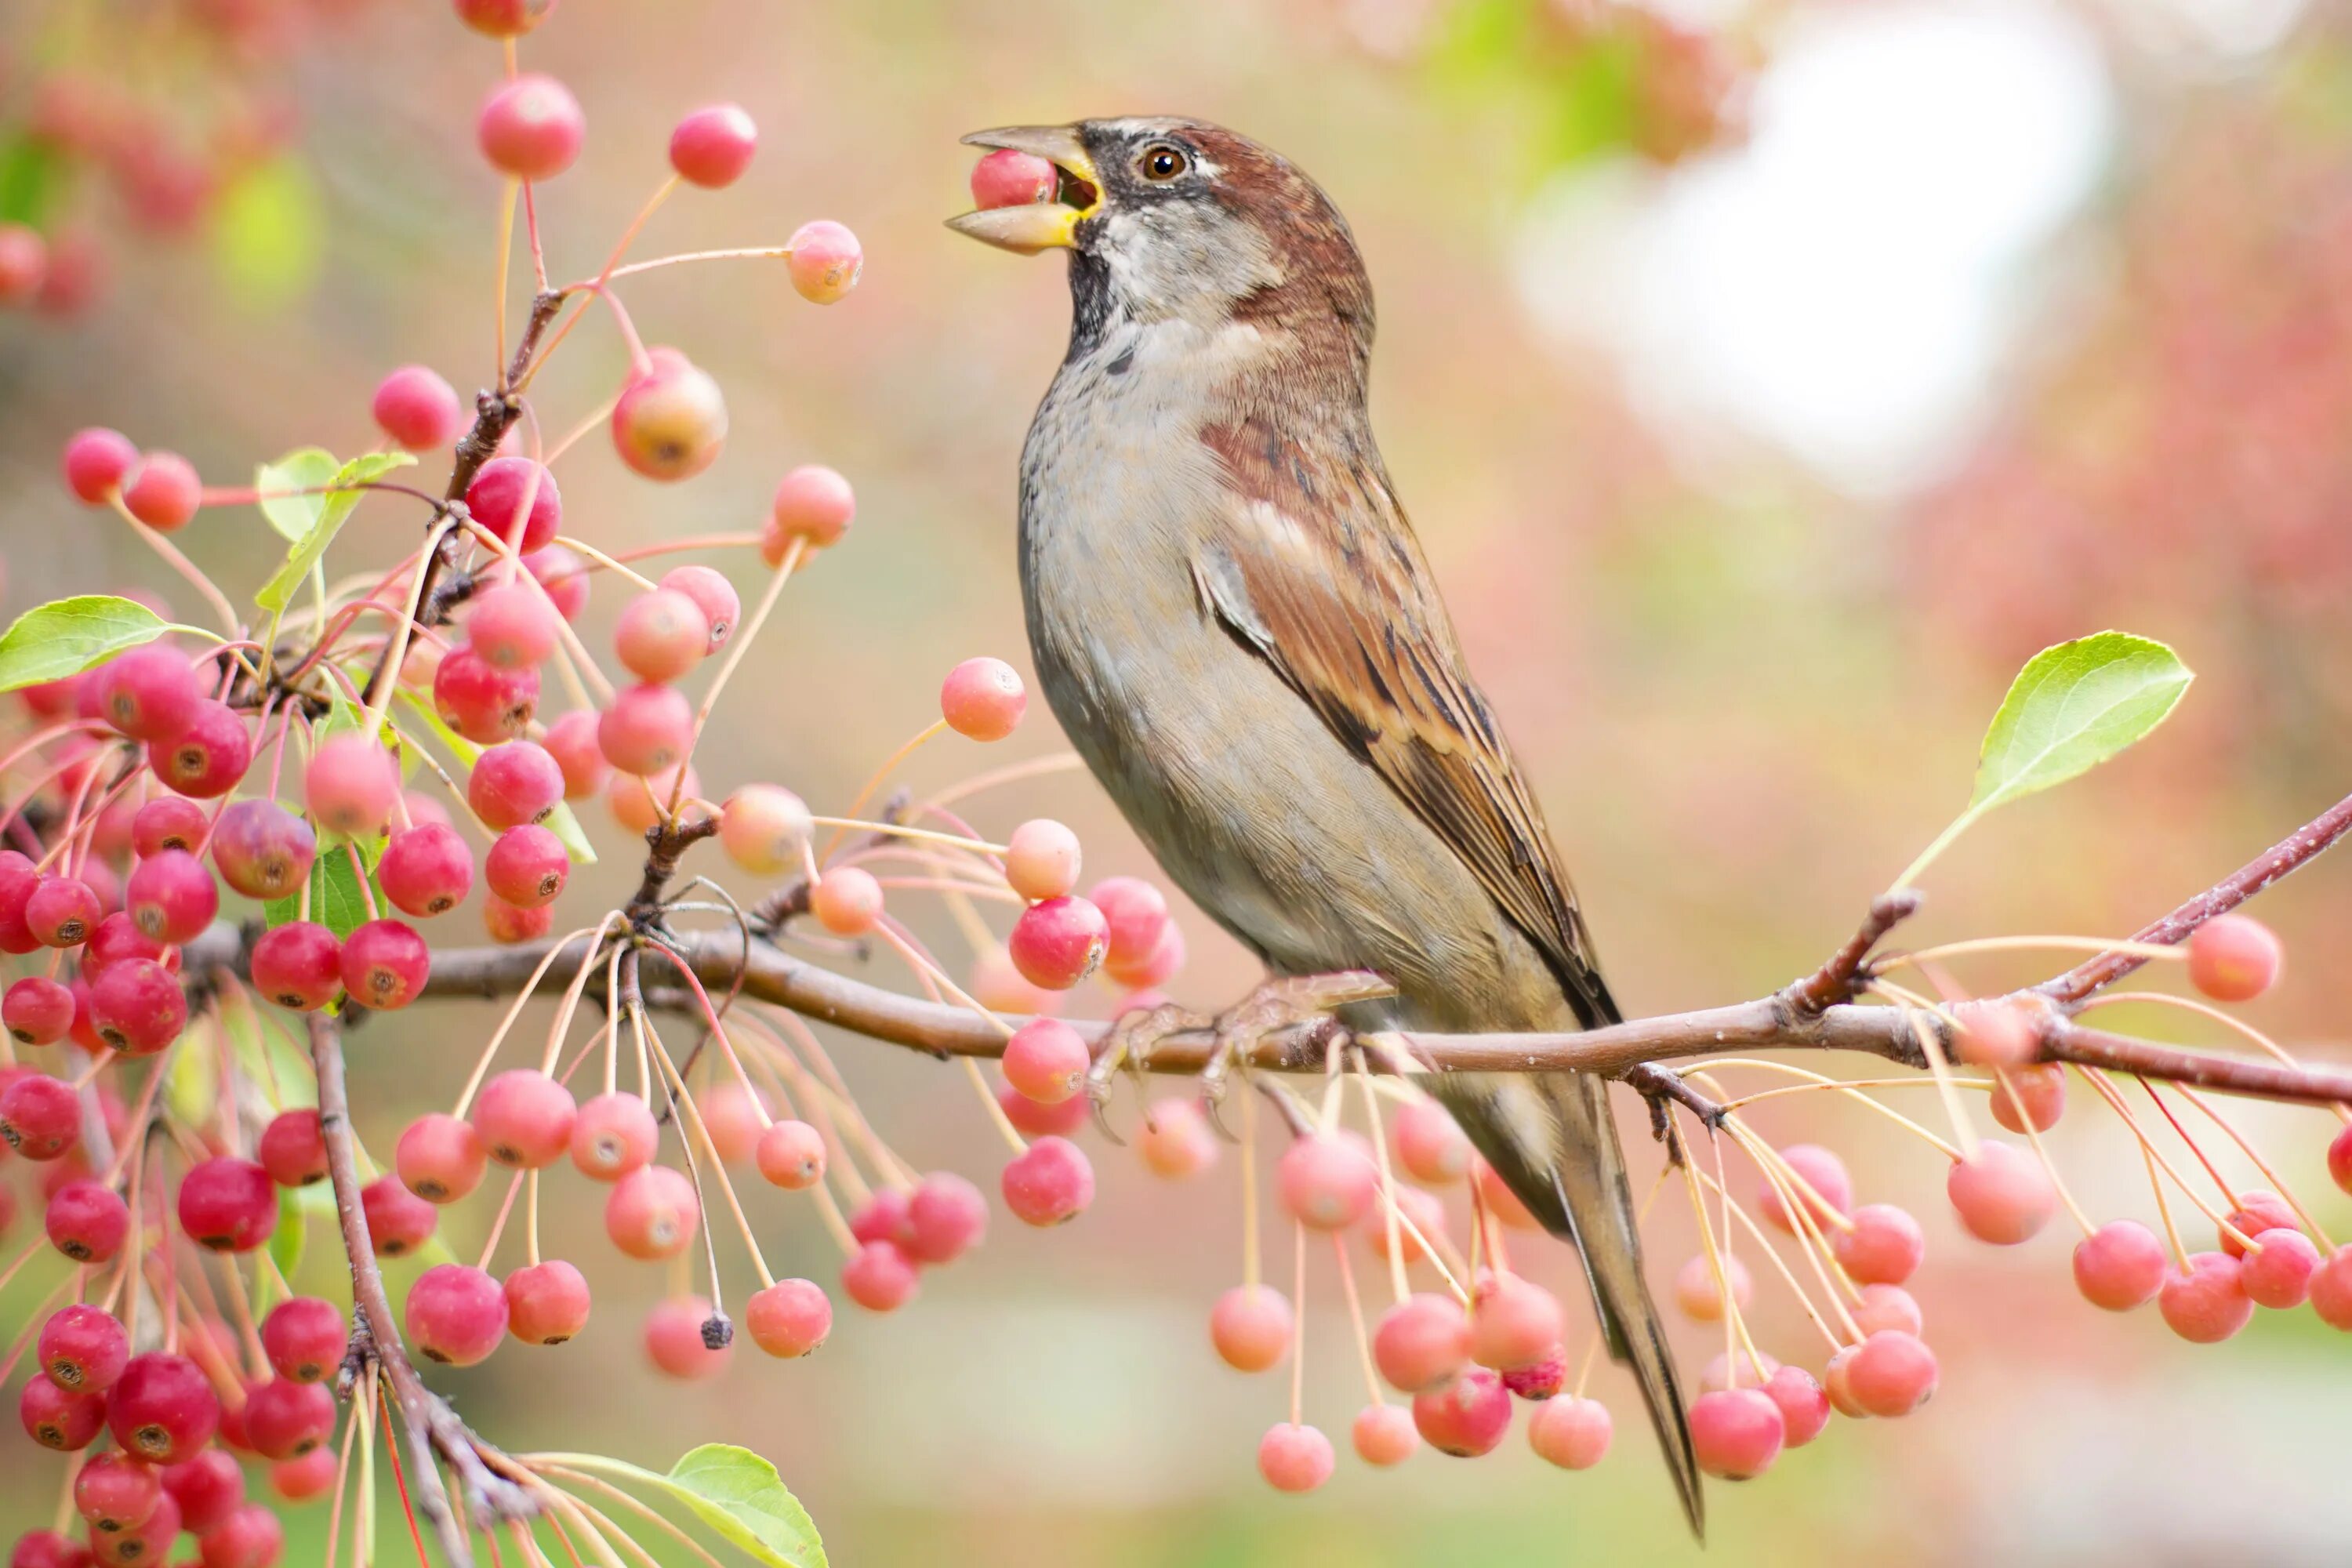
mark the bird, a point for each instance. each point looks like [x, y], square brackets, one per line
[1232, 619]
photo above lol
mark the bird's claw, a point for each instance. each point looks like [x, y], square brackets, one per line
[1278, 1005]
[1128, 1044]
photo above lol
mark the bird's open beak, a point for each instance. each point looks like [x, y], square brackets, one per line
[1040, 226]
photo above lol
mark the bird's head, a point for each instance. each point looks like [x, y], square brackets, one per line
[1168, 218]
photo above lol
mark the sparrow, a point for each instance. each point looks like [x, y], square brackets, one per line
[1232, 619]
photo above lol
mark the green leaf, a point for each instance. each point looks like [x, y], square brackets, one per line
[33, 175]
[336, 901]
[293, 1231]
[2070, 708]
[740, 1495]
[306, 469]
[311, 547]
[65, 636]
[267, 233]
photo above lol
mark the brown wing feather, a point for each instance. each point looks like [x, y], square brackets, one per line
[1321, 576]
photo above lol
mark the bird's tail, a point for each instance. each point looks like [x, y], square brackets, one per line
[1552, 1139]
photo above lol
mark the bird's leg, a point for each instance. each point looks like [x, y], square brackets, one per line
[1663, 1088]
[1283, 1003]
[1128, 1044]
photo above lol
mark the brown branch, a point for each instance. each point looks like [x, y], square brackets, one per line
[431, 1427]
[1840, 979]
[2295, 849]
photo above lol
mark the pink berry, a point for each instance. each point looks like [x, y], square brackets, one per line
[1136, 914]
[228, 1205]
[983, 699]
[733, 1117]
[262, 849]
[456, 1314]
[418, 409]
[163, 491]
[385, 964]
[2033, 1095]
[352, 785]
[2256, 1211]
[24, 264]
[764, 828]
[791, 1155]
[503, 18]
[168, 822]
[678, 1338]
[514, 783]
[2279, 1276]
[882, 1218]
[398, 1221]
[481, 701]
[1250, 1325]
[161, 1408]
[652, 1213]
[612, 1135]
[563, 574]
[2331, 1290]
[713, 594]
[1996, 1034]
[57, 1419]
[440, 1158]
[2234, 958]
[525, 1118]
[1735, 1433]
[1383, 1434]
[637, 804]
[304, 1338]
[83, 1349]
[532, 128]
[647, 729]
[251, 1536]
[1032, 1120]
[1058, 943]
[299, 1481]
[1429, 1145]
[137, 1007]
[116, 1493]
[946, 1218]
[1047, 1060]
[38, 1011]
[825, 261]
[292, 1148]
[1295, 1459]
[1175, 1140]
[206, 758]
[1570, 1432]
[1005, 178]
[1050, 1184]
[2002, 1193]
[571, 742]
[1887, 1307]
[2207, 1303]
[117, 941]
[62, 912]
[1514, 1322]
[670, 423]
[879, 1277]
[1700, 1284]
[1466, 1417]
[171, 898]
[299, 965]
[496, 499]
[1804, 1406]
[207, 1485]
[1883, 1246]
[87, 1222]
[547, 1302]
[1892, 1373]
[1421, 1344]
[40, 1117]
[148, 693]
[712, 147]
[662, 634]
[847, 901]
[1815, 1168]
[1041, 860]
[96, 462]
[814, 504]
[527, 867]
[512, 627]
[789, 1319]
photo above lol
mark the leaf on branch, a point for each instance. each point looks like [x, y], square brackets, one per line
[335, 506]
[2071, 708]
[65, 636]
[308, 468]
[734, 1491]
[336, 900]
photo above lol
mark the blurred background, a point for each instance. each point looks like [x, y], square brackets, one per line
[1767, 378]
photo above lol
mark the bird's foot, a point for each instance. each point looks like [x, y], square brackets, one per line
[1278, 1005]
[1128, 1044]
[1663, 1088]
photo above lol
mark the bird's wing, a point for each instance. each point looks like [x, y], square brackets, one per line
[1317, 572]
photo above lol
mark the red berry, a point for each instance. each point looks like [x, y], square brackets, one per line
[1887, 1307]
[1997, 1034]
[163, 491]
[846, 901]
[812, 504]
[670, 423]
[2331, 1290]
[713, 594]
[24, 264]
[167, 822]
[1047, 1060]
[1514, 1322]
[251, 1536]
[1428, 1143]
[791, 1155]
[2033, 1095]
[261, 850]
[2002, 1193]
[207, 1485]
[425, 870]
[789, 1319]
[1005, 178]
[496, 500]
[2209, 1302]
[647, 729]
[83, 1349]
[285, 1420]
[1250, 1325]
[456, 1314]
[292, 1149]
[1058, 943]
[2279, 1276]
[117, 941]
[40, 1117]
[87, 1222]
[825, 261]
[439, 1158]
[299, 965]
[1818, 1169]
[563, 574]
[2234, 958]
[1421, 1343]
[228, 1205]
[651, 1213]
[171, 898]
[161, 1408]
[206, 758]
[482, 702]
[2257, 1211]
[946, 1218]
[712, 147]
[117, 1493]
[1467, 1417]
[525, 1118]
[662, 634]
[514, 783]
[137, 1007]
[879, 1277]
[1327, 1181]
[38, 1011]
[677, 1338]
[1735, 1433]
[983, 698]
[385, 964]
[1892, 1373]
[1883, 1246]
[1050, 1184]
[62, 912]
[57, 1419]
[147, 693]
[547, 1302]
[1804, 1406]
[304, 1338]
[532, 128]
[352, 785]
[398, 1221]
[571, 742]
[1295, 1459]
[418, 409]
[512, 627]
[1032, 1120]
[612, 1135]
[96, 462]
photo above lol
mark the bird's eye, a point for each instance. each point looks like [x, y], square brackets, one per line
[1161, 162]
